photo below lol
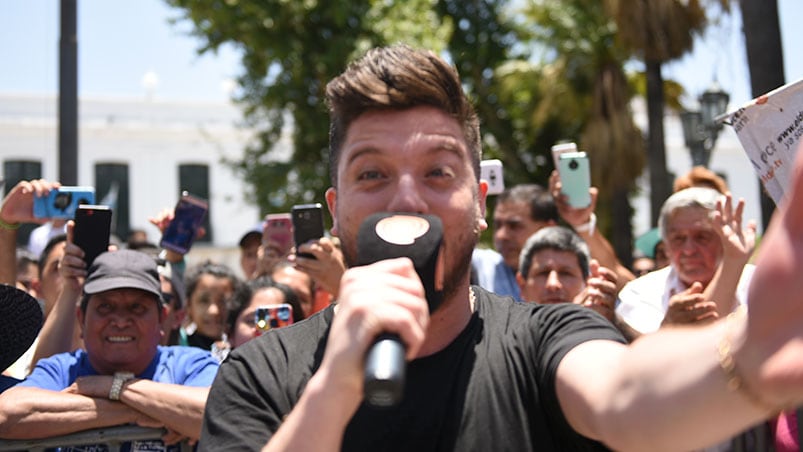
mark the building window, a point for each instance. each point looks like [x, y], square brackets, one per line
[111, 189]
[15, 171]
[194, 179]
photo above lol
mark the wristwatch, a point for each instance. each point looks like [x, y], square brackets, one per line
[117, 384]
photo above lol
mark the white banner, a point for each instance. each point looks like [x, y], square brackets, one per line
[769, 128]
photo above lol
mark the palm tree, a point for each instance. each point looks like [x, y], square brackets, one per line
[658, 31]
[589, 68]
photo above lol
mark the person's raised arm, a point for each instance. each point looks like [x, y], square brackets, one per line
[59, 331]
[738, 243]
[581, 221]
[685, 388]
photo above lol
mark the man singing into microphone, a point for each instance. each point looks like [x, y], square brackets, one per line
[483, 373]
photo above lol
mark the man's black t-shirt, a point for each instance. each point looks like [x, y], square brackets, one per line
[492, 388]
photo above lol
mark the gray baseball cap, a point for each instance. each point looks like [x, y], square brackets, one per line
[123, 269]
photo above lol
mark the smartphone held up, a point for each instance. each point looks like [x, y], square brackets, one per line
[92, 230]
[187, 220]
[307, 225]
[575, 178]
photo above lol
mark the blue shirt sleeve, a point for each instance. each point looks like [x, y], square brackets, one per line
[56, 372]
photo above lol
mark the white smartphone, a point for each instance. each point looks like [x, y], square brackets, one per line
[491, 172]
[575, 178]
[562, 148]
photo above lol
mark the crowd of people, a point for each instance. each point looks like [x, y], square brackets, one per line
[545, 341]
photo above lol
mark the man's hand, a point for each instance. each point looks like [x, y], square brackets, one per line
[574, 216]
[72, 267]
[738, 242]
[328, 266]
[689, 307]
[386, 296]
[600, 291]
[17, 206]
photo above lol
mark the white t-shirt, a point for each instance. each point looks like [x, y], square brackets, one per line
[643, 302]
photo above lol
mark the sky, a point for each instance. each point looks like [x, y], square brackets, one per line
[129, 48]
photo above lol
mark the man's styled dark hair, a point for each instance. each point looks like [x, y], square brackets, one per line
[556, 238]
[397, 78]
[542, 205]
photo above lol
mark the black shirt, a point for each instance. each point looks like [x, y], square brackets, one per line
[492, 388]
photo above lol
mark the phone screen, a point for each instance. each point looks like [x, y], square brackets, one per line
[307, 225]
[272, 316]
[92, 230]
[187, 219]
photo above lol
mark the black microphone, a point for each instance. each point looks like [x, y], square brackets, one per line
[386, 236]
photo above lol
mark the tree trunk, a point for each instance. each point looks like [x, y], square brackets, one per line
[621, 227]
[762, 36]
[656, 151]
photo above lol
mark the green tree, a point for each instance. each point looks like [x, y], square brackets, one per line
[290, 50]
[584, 77]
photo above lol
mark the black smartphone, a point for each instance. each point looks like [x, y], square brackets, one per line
[188, 217]
[307, 225]
[92, 229]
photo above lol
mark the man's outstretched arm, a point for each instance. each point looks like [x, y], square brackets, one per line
[675, 389]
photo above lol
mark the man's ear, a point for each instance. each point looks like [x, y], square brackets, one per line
[520, 281]
[331, 203]
[482, 223]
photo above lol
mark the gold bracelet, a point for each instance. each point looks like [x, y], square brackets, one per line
[727, 362]
[9, 226]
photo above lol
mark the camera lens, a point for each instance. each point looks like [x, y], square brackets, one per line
[62, 201]
[573, 165]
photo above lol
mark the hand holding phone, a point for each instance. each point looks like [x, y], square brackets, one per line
[575, 178]
[307, 225]
[62, 202]
[92, 230]
[187, 219]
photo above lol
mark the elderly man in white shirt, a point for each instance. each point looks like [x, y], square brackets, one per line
[708, 275]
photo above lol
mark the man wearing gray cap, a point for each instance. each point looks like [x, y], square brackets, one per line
[123, 376]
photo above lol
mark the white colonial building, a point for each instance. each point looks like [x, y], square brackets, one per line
[139, 154]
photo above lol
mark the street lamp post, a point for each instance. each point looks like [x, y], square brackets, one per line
[701, 127]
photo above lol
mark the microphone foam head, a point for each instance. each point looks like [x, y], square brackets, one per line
[388, 235]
